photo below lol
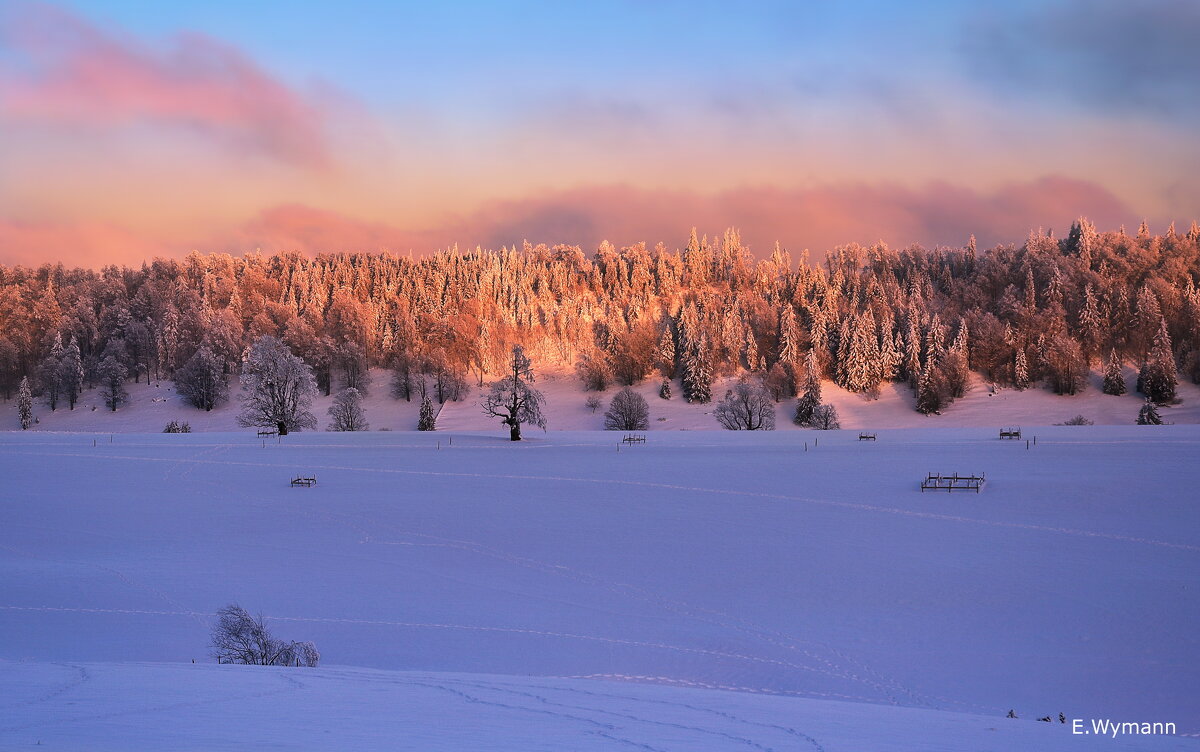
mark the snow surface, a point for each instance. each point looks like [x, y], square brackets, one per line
[709, 590]
[151, 406]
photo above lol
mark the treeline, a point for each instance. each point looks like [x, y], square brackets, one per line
[1045, 311]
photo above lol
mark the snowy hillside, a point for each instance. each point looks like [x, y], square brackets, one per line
[525, 596]
[151, 406]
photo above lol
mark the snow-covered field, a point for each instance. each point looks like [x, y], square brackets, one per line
[705, 591]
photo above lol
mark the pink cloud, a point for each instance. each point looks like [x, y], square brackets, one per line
[86, 244]
[61, 69]
[303, 228]
[814, 218]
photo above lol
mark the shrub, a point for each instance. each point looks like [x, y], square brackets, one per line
[238, 637]
[1078, 420]
[177, 427]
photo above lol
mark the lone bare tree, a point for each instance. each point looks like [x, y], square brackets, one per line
[512, 399]
[748, 408]
[277, 388]
[628, 411]
[347, 411]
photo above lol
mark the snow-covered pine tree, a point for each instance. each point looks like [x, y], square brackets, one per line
[1148, 415]
[1021, 370]
[697, 372]
[929, 390]
[789, 346]
[25, 404]
[1158, 378]
[427, 421]
[70, 373]
[1114, 381]
[664, 391]
[50, 373]
[811, 398]
[664, 354]
[1090, 326]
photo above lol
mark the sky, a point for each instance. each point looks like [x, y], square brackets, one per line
[133, 129]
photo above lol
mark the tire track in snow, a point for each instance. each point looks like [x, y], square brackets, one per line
[606, 729]
[641, 700]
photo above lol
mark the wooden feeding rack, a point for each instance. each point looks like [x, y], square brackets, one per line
[950, 483]
[1010, 432]
[306, 482]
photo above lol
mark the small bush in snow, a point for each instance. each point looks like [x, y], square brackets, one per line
[1078, 420]
[177, 427]
[593, 403]
[238, 637]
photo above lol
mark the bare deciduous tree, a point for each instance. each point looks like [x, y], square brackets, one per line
[277, 388]
[628, 411]
[825, 418]
[347, 411]
[748, 407]
[512, 399]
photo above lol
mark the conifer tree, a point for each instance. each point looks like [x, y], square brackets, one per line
[697, 372]
[1158, 379]
[665, 353]
[929, 391]
[1148, 415]
[50, 373]
[664, 391]
[25, 404]
[427, 421]
[811, 399]
[70, 373]
[1021, 370]
[1114, 381]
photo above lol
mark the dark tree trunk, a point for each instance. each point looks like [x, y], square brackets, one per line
[282, 428]
[514, 431]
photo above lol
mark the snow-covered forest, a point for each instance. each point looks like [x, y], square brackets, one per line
[1042, 312]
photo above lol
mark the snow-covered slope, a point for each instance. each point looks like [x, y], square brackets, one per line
[820, 587]
[157, 706]
[151, 406]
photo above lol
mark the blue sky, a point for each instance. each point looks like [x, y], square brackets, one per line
[367, 125]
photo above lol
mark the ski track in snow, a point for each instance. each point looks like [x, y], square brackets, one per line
[292, 685]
